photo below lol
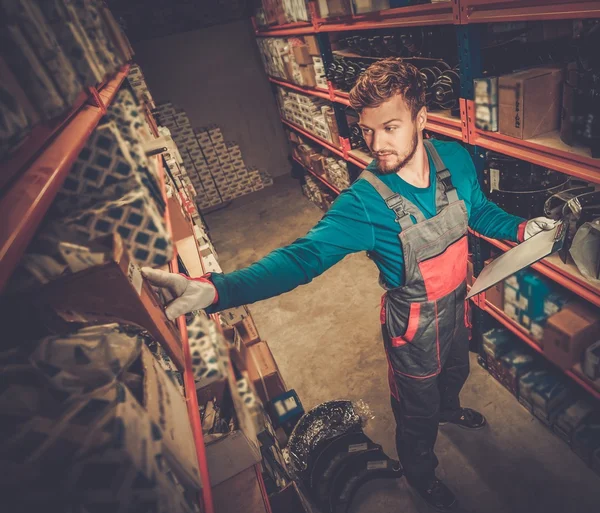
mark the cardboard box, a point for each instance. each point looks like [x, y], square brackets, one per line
[167, 409]
[529, 102]
[495, 295]
[248, 331]
[113, 291]
[302, 55]
[263, 371]
[308, 76]
[568, 333]
[312, 45]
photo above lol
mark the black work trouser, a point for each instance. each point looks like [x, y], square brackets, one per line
[421, 404]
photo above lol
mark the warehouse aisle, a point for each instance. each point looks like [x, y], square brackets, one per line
[326, 339]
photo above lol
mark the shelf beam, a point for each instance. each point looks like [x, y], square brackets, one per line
[494, 11]
[25, 203]
[188, 374]
[319, 177]
[326, 144]
[570, 281]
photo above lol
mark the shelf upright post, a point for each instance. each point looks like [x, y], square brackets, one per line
[469, 57]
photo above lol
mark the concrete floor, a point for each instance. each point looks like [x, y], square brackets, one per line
[325, 337]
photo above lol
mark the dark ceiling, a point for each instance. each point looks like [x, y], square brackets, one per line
[148, 19]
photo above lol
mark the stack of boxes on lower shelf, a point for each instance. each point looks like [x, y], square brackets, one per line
[546, 393]
[566, 329]
[215, 167]
[313, 114]
[320, 161]
[295, 59]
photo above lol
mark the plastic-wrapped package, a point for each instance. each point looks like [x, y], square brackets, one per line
[322, 423]
[89, 358]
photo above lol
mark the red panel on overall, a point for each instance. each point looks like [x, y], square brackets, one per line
[444, 273]
[411, 328]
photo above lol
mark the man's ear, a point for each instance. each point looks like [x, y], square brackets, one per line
[422, 118]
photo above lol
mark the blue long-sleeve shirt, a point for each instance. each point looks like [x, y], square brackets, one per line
[359, 220]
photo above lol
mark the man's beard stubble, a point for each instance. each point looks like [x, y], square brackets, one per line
[404, 161]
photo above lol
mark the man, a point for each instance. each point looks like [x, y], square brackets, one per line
[410, 210]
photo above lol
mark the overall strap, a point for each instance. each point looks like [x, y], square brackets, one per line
[393, 200]
[442, 173]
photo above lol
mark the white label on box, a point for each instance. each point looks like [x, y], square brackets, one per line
[512, 281]
[375, 465]
[135, 277]
[358, 447]
[494, 180]
[511, 296]
[512, 311]
[280, 408]
[523, 303]
[537, 331]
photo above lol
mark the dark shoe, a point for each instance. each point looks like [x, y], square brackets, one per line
[437, 495]
[465, 418]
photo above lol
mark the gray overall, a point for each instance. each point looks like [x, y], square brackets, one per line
[424, 322]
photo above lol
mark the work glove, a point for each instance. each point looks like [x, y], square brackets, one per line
[537, 225]
[189, 294]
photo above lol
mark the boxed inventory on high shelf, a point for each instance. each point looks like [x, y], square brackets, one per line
[107, 404]
[485, 65]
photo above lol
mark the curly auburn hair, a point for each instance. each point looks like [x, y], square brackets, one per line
[387, 78]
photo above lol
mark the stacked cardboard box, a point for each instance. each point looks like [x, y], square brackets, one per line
[138, 83]
[214, 167]
[295, 59]
[308, 112]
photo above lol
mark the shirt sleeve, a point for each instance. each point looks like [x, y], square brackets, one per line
[486, 217]
[343, 230]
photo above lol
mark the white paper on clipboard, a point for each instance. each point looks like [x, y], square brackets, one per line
[539, 246]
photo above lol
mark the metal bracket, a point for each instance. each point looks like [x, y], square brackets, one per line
[345, 144]
[315, 17]
[95, 100]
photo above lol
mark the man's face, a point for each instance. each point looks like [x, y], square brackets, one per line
[391, 134]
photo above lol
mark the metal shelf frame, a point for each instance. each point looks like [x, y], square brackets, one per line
[570, 281]
[520, 332]
[25, 202]
[325, 182]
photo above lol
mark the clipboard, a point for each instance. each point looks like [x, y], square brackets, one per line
[537, 247]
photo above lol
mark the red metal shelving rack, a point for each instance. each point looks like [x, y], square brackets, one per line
[188, 375]
[520, 332]
[493, 11]
[565, 275]
[25, 202]
[547, 150]
[319, 177]
[438, 13]
[326, 144]
[312, 91]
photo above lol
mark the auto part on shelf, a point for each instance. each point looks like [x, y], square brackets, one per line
[445, 91]
[575, 207]
[580, 118]
[585, 250]
[519, 187]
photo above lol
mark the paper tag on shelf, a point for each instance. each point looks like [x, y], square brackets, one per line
[375, 465]
[79, 257]
[494, 180]
[135, 277]
[358, 447]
